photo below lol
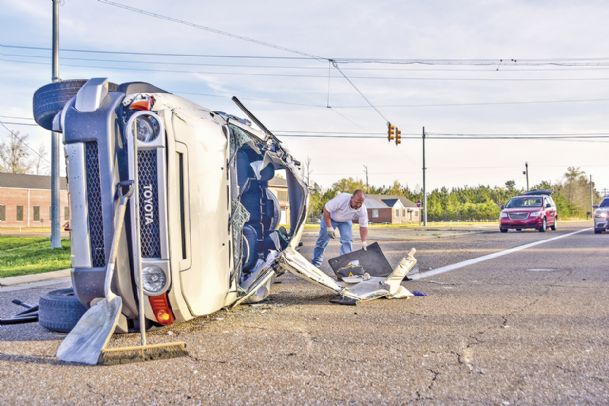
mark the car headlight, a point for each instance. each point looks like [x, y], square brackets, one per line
[600, 214]
[154, 278]
[147, 128]
[535, 214]
[503, 215]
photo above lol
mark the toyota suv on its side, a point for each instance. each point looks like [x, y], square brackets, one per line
[601, 216]
[535, 209]
[201, 224]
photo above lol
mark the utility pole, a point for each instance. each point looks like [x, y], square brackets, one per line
[424, 187]
[366, 170]
[526, 172]
[55, 193]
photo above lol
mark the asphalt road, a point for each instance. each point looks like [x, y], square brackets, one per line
[530, 327]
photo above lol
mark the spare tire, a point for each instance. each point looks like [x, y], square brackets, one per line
[59, 310]
[50, 99]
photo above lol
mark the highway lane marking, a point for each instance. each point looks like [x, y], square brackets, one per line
[462, 264]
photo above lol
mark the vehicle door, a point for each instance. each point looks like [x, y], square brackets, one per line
[550, 210]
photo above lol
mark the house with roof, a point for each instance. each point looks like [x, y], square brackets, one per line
[25, 200]
[279, 187]
[391, 209]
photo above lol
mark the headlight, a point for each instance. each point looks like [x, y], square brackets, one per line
[147, 128]
[600, 214]
[535, 214]
[154, 278]
[503, 215]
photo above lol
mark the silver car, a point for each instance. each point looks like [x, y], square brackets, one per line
[601, 216]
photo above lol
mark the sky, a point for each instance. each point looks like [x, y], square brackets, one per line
[483, 67]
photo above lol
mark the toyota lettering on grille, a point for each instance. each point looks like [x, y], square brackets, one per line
[148, 204]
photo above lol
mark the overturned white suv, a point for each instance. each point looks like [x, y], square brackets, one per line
[200, 224]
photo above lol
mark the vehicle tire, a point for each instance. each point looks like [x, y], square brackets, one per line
[597, 231]
[544, 226]
[553, 226]
[503, 230]
[50, 99]
[60, 310]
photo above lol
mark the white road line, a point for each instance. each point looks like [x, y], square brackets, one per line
[468, 262]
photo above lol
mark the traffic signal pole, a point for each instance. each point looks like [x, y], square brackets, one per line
[424, 186]
[55, 193]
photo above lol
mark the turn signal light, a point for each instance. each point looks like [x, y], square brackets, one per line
[143, 104]
[162, 316]
[161, 309]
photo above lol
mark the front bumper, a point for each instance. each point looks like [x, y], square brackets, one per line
[601, 224]
[527, 223]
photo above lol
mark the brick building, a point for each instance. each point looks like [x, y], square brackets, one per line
[391, 209]
[25, 200]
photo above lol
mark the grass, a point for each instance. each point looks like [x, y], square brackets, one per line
[30, 255]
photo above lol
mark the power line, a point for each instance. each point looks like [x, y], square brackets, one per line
[478, 103]
[248, 39]
[444, 136]
[359, 91]
[17, 117]
[559, 62]
[24, 124]
[99, 51]
[320, 76]
[210, 29]
[318, 68]
[521, 134]
[3, 124]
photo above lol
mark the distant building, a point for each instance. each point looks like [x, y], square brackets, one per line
[25, 200]
[391, 209]
[279, 187]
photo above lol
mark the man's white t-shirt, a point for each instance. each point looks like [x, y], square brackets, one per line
[340, 210]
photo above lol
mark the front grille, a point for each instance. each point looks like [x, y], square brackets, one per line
[518, 216]
[148, 187]
[95, 218]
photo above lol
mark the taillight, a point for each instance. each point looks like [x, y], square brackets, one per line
[161, 309]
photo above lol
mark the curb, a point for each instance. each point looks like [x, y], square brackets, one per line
[46, 276]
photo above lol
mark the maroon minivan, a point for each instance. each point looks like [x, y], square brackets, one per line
[535, 209]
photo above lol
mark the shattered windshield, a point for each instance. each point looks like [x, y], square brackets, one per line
[524, 202]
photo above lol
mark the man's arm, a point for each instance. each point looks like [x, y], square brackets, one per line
[327, 218]
[363, 233]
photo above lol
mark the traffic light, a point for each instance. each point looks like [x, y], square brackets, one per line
[398, 136]
[390, 131]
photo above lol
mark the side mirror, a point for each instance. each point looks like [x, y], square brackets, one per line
[502, 206]
[548, 205]
[595, 206]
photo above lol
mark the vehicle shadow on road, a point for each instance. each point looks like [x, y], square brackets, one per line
[30, 359]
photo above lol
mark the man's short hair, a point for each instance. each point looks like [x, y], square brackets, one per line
[358, 192]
